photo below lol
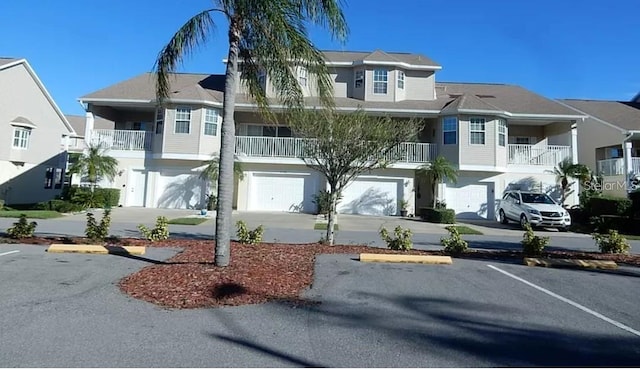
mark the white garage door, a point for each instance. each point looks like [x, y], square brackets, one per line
[288, 192]
[180, 190]
[371, 197]
[470, 200]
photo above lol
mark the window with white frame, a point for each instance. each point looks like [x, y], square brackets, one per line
[380, 81]
[502, 132]
[401, 80]
[183, 120]
[21, 137]
[262, 78]
[303, 76]
[477, 131]
[449, 130]
[210, 122]
[159, 120]
[359, 79]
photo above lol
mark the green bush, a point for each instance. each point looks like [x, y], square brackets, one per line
[533, 245]
[107, 197]
[401, 241]
[322, 200]
[635, 202]
[22, 228]
[601, 205]
[454, 244]
[438, 215]
[212, 202]
[98, 231]
[611, 242]
[1, 204]
[160, 232]
[59, 205]
[246, 236]
[100, 197]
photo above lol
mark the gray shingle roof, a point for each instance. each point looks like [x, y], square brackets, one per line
[78, 123]
[379, 56]
[4, 61]
[453, 96]
[625, 115]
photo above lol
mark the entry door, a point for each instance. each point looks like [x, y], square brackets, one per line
[137, 189]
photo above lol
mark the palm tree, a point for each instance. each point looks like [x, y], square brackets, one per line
[95, 164]
[210, 172]
[265, 36]
[435, 172]
[566, 170]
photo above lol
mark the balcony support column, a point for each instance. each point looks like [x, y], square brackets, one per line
[88, 127]
[574, 143]
[628, 161]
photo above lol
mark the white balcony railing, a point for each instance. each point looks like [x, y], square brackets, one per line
[290, 147]
[538, 155]
[122, 139]
[615, 166]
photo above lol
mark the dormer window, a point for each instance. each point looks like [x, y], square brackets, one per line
[21, 137]
[359, 79]
[401, 80]
[303, 75]
[380, 81]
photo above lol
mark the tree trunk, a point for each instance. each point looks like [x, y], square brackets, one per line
[227, 149]
[331, 222]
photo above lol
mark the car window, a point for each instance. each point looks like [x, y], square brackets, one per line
[514, 197]
[537, 198]
[506, 196]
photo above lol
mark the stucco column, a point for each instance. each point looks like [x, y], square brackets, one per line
[88, 127]
[574, 143]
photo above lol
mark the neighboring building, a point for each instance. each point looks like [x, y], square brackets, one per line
[609, 141]
[34, 136]
[499, 136]
[77, 144]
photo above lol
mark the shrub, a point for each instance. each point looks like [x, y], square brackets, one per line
[100, 197]
[59, 205]
[635, 202]
[98, 231]
[212, 202]
[438, 215]
[611, 242]
[598, 206]
[533, 245]
[246, 236]
[160, 232]
[441, 204]
[401, 241]
[454, 243]
[22, 228]
[1, 204]
[322, 200]
[107, 197]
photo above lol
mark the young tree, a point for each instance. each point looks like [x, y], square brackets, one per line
[263, 35]
[95, 164]
[566, 170]
[343, 146]
[436, 171]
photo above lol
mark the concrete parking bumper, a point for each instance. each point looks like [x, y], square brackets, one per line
[94, 249]
[570, 263]
[398, 258]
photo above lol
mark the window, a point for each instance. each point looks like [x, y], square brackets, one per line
[523, 140]
[48, 178]
[262, 78]
[302, 76]
[183, 121]
[57, 178]
[401, 80]
[210, 122]
[502, 132]
[477, 131]
[359, 79]
[21, 137]
[159, 121]
[616, 153]
[449, 130]
[269, 131]
[380, 78]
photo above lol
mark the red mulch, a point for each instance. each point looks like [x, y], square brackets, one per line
[257, 274]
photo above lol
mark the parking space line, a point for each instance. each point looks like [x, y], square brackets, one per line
[567, 300]
[10, 252]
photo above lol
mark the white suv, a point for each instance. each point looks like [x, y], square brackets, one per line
[536, 209]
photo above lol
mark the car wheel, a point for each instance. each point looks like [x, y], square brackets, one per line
[523, 222]
[503, 218]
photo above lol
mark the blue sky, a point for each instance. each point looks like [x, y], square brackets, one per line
[558, 48]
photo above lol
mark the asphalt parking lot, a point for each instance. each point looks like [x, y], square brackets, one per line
[65, 310]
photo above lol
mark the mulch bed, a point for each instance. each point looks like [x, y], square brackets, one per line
[260, 273]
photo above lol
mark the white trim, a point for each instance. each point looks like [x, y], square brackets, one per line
[381, 63]
[42, 89]
[398, 80]
[386, 81]
[21, 139]
[203, 122]
[24, 125]
[195, 157]
[381, 110]
[134, 154]
[175, 120]
[484, 131]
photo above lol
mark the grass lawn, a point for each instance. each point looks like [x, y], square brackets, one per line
[188, 221]
[31, 214]
[462, 230]
[632, 237]
[323, 226]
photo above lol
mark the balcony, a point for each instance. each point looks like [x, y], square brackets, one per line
[130, 140]
[615, 166]
[537, 155]
[291, 147]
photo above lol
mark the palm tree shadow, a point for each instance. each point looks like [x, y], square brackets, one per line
[186, 193]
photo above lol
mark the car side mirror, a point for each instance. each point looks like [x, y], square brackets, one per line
[517, 201]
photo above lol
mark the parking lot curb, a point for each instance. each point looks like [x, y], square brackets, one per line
[399, 258]
[95, 249]
[571, 263]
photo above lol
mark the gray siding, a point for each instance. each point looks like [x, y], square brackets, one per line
[525, 131]
[343, 82]
[182, 143]
[391, 78]
[558, 133]
[472, 154]
[593, 134]
[450, 151]
[419, 85]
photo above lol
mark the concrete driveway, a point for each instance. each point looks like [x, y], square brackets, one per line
[65, 310]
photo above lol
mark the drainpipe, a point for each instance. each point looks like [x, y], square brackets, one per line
[628, 161]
